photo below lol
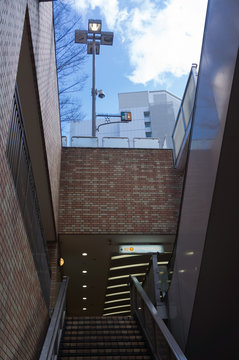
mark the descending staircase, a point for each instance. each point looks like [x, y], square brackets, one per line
[112, 338]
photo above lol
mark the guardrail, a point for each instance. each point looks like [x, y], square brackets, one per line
[181, 131]
[162, 343]
[113, 142]
[84, 141]
[53, 337]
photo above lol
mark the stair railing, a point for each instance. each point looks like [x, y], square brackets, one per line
[54, 333]
[160, 340]
[154, 285]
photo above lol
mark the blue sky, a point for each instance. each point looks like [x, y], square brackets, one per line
[155, 43]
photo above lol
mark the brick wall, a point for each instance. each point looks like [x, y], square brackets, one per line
[118, 191]
[23, 313]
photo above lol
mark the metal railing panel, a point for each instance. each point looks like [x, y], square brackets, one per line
[189, 99]
[161, 341]
[115, 142]
[183, 121]
[146, 143]
[64, 141]
[179, 133]
[84, 141]
[53, 337]
[20, 165]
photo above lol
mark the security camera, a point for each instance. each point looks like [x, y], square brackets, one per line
[101, 94]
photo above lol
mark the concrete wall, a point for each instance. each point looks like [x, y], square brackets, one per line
[23, 312]
[118, 191]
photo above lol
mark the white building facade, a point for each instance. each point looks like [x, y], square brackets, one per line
[153, 116]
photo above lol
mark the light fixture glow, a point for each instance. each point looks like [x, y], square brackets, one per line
[125, 276]
[119, 285]
[117, 307]
[123, 256]
[84, 271]
[128, 266]
[118, 300]
[117, 312]
[84, 254]
[84, 298]
[84, 286]
[61, 261]
[84, 309]
[162, 262]
[94, 26]
[118, 293]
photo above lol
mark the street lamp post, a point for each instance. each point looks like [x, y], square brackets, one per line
[94, 37]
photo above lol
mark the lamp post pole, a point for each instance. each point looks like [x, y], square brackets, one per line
[93, 90]
[94, 37]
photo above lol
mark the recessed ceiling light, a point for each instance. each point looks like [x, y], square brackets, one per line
[84, 309]
[84, 298]
[84, 286]
[84, 254]
[84, 271]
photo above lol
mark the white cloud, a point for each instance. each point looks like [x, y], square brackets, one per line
[161, 36]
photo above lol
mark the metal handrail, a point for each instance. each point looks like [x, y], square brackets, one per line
[162, 343]
[53, 337]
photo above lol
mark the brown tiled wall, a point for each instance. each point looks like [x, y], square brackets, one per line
[118, 191]
[12, 15]
[23, 313]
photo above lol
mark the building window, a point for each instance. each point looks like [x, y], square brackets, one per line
[148, 124]
[146, 114]
[149, 134]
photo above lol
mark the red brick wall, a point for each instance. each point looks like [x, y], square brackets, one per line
[118, 191]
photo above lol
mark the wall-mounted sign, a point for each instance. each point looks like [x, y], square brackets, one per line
[126, 116]
[142, 249]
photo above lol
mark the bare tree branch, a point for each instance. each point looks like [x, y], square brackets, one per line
[69, 60]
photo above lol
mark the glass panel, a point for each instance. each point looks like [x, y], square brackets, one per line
[84, 141]
[189, 100]
[146, 113]
[115, 142]
[148, 134]
[178, 134]
[144, 143]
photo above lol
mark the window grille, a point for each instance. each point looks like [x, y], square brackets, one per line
[22, 174]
